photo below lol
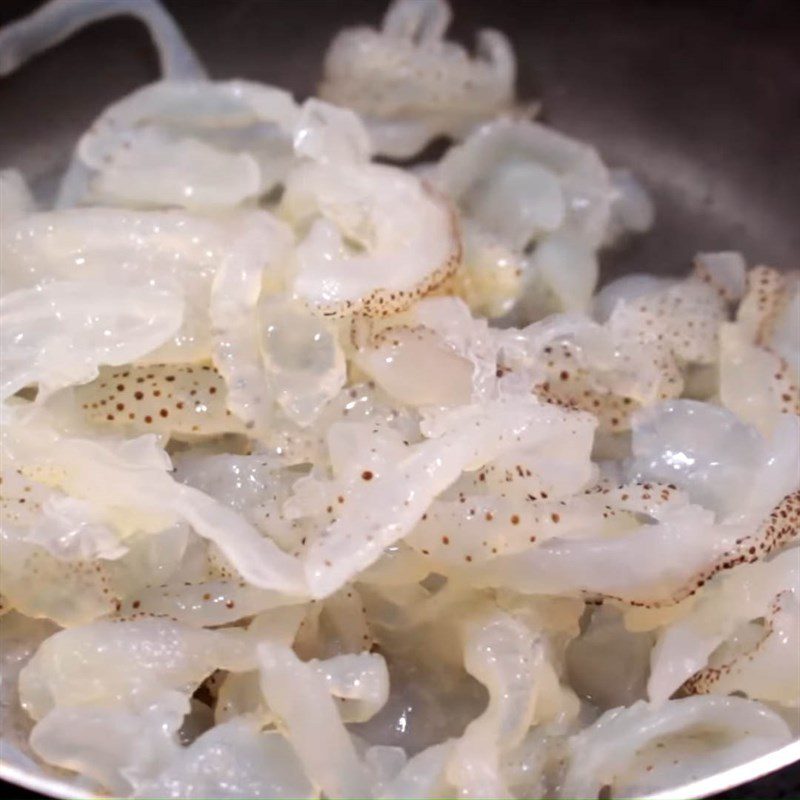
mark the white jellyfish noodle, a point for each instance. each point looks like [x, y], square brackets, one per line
[503, 654]
[474, 528]
[128, 724]
[721, 462]
[119, 748]
[172, 251]
[434, 355]
[238, 755]
[382, 486]
[573, 362]
[194, 144]
[638, 749]
[759, 370]
[719, 647]
[272, 351]
[378, 239]
[300, 697]
[128, 484]
[116, 662]
[182, 401]
[59, 19]
[410, 84]
[35, 351]
[524, 181]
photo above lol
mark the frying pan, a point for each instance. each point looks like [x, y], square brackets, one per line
[700, 98]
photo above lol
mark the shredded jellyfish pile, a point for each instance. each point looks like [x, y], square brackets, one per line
[328, 477]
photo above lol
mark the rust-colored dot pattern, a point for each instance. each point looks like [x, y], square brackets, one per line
[576, 388]
[175, 399]
[781, 527]
[382, 302]
[764, 299]
[704, 681]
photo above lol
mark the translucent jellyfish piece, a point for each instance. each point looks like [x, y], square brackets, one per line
[632, 208]
[626, 289]
[361, 402]
[233, 760]
[51, 571]
[189, 143]
[569, 267]
[410, 85]
[417, 368]
[387, 486]
[129, 483]
[384, 764]
[303, 361]
[470, 337]
[240, 692]
[423, 776]
[101, 331]
[172, 251]
[336, 626]
[535, 767]
[721, 462]
[254, 487]
[687, 647]
[785, 339]
[57, 20]
[755, 383]
[763, 301]
[115, 663]
[471, 529]
[199, 108]
[329, 134]
[70, 530]
[20, 637]
[503, 654]
[490, 279]
[119, 748]
[550, 463]
[258, 255]
[517, 202]
[653, 564]
[725, 271]
[377, 240]
[686, 315]
[759, 659]
[155, 169]
[569, 360]
[520, 150]
[184, 401]
[759, 371]
[360, 681]
[698, 736]
[299, 695]
[205, 603]
[22, 499]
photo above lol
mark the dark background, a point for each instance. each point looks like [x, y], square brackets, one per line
[700, 97]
